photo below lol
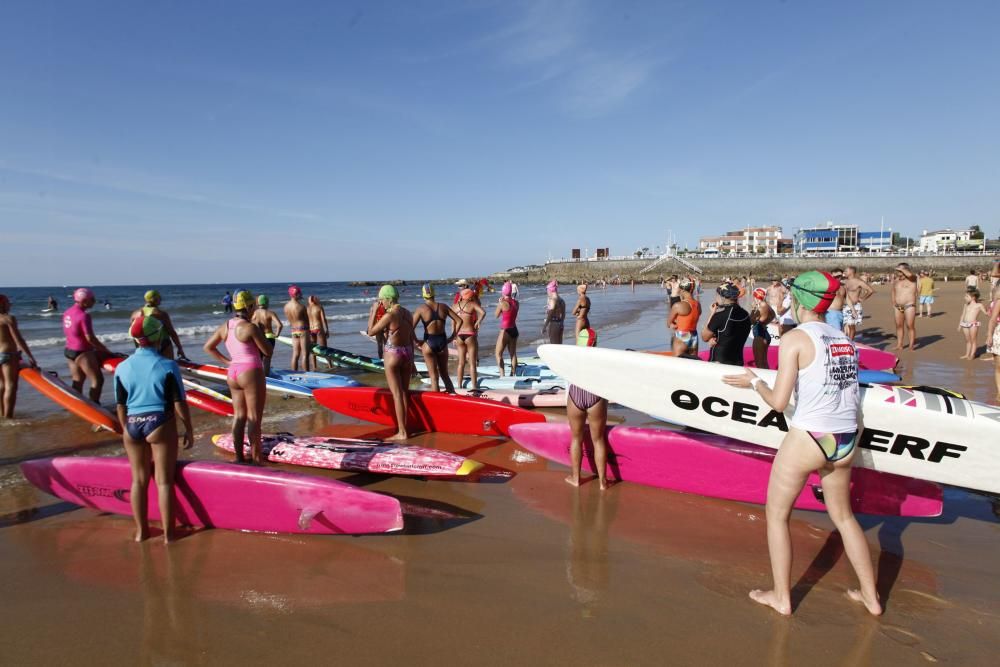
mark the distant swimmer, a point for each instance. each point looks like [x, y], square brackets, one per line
[683, 321]
[506, 310]
[152, 308]
[227, 302]
[857, 292]
[727, 328]
[319, 329]
[82, 346]
[107, 305]
[904, 304]
[53, 304]
[298, 321]
[400, 338]
[818, 364]
[246, 345]
[434, 316]
[761, 316]
[581, 311]
[149, 393]
[269, 324]
[12, 347]
[471, 316]
[555, 314]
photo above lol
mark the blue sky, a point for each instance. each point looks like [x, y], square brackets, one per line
[200, 141]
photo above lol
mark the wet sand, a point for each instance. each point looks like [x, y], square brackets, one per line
[516, 565]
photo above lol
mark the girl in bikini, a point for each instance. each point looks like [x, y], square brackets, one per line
[819, 365]
[581, 407]
[969, 323]
[471, 315]
[246, 345]
[434, 317]
[397, 353]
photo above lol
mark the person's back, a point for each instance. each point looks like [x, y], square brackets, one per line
[150, 382]
[826, 390]
[729, 326]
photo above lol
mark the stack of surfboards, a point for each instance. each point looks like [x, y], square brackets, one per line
[924, 434]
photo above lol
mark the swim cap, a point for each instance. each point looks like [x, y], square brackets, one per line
[507, 288]
[427, 291]
[262, 301]
[388, 292]
[294, 291]
[243, 300]
[685, 284]
[815, 290]
[466, 294]
[552, 287]
[759, 293]
[587, 338]
[82, 294]
[728, 291]
[146, 330]
[151, 296]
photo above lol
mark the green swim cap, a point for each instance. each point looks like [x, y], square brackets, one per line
[815, 290]
[388, 292]
[262, 301]
[151, 296]
[146, 330]
[427, 291]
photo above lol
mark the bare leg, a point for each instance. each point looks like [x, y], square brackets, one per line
[912, 324]
[791, 467]
[432, 366]
[898, 316]
[996, 372]
[442, 370]
[498, 352]
[598, 418]
[968, 344]
[163, 442]
[577, 423]
[512, 351]
[472, 347]
[76, 375]
[139, 460]
[254, 394]
[239, 418]
[462, 353]
[556, 333]
[395, 367]
[9, 373]
[760, 352]
[836, 492]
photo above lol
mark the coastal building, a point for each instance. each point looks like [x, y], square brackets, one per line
[875, 241]
[945, 240]
[827, 238]
[751, 240]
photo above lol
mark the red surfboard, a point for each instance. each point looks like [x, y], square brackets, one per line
[428, 410]
[195, 398]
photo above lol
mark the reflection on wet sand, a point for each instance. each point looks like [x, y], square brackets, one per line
[587, 569]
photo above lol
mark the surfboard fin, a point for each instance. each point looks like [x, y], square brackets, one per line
[306, 516]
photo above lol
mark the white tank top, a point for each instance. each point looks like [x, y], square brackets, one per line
[826, 391]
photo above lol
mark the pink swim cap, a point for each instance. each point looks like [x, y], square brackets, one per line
[759, 293]
[294, 291]
[552, 287]
[82, 294]
[507, 288]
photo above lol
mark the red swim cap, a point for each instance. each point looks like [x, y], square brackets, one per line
[759, 293]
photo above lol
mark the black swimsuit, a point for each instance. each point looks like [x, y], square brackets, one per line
[437, 342]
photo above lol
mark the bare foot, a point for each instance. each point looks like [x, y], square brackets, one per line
[573, 481]
[963, 357]
[169, 538]
[604, 485]
[141, 535]
[770, 599]
[402, 435]
[874, 607]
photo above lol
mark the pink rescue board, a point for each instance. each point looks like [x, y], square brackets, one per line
[223, 495]
[358, 455]
[522, 398]
[869, 358]
[719, 467]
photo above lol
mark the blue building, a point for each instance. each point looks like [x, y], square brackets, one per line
[875, 241]
[827, 238]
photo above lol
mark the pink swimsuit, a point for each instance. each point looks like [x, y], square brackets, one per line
[77, 327]
[245, 356]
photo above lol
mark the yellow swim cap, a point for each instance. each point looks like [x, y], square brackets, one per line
[427, 291]
[243, 300]
[151, 296]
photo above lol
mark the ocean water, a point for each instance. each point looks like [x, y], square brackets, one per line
[196, 310]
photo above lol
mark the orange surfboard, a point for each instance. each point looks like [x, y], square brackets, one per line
[51, 386]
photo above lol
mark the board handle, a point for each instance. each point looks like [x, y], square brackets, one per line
[306, 516]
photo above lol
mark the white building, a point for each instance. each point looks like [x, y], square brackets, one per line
[746, 240]
[944, 240]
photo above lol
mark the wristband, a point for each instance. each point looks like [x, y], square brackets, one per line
[754, 382]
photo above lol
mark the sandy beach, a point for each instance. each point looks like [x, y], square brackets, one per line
[516, 566]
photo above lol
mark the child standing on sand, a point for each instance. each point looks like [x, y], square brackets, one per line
[969, 324]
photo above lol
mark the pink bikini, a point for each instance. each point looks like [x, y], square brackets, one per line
[245, 356]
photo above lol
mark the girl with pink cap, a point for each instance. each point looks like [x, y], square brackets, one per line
[82, 345]
[507, 308]
[555, 314]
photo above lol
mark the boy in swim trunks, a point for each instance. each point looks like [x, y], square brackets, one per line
[298, 322]
[856, 290]
[904, 304]
[12, 345]
[269, 323]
